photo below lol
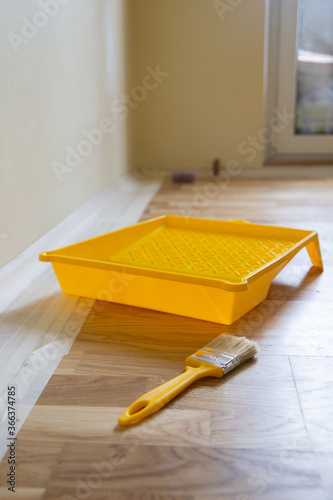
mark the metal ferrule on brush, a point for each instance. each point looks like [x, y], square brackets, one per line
[218, 358]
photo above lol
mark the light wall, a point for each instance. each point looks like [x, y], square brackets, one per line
[212, 101]
[58, 79]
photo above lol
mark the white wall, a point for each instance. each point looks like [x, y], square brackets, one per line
[56, 81]
[212, 101]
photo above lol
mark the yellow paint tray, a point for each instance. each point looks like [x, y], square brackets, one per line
[207, 269]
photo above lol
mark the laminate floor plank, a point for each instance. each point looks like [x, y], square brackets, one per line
[63, 424]
[203, 472]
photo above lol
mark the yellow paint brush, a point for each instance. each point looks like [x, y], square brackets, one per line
[214, 360]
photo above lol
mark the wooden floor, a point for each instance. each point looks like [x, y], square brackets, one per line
[264, 432]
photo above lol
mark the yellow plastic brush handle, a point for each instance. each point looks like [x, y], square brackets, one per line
[154, 400]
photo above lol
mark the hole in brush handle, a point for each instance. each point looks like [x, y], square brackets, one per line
[138, 406]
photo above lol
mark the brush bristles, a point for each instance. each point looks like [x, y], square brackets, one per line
[241, 347]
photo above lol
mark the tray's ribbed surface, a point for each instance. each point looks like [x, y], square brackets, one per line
[203, 253]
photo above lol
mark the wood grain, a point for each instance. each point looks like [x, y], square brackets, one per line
[264, 432]
[201, 472]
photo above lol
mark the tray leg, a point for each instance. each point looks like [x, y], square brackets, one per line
[313, 249]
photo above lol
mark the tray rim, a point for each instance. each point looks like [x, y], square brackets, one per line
[228, 285]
